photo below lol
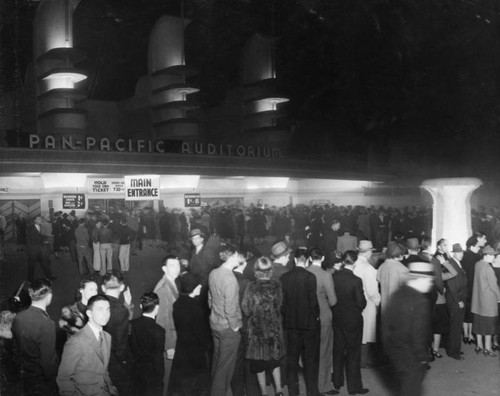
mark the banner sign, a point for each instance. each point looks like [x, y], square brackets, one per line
[105, 185]
[73, 201]
[142, 187]
[192, 200]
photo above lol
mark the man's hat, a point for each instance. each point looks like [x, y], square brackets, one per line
[394, 249]
[421, 269]
[196, 231]
[365, 245]
[280, 249]
[489, 250]
[457, 248]
[412, 243]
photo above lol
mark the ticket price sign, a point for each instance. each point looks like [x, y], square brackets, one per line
[73, 201]
[142, 188]
[106, 185]
[192, 200]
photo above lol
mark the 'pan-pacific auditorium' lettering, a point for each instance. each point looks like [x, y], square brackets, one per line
[148, 146]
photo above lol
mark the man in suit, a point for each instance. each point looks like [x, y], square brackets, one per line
[38, 250]
[121, 312]
[348, 326]
[326, 299]
[167, 292]
[329, 241]
[406, 328]
[84, 364]
[147, 342]
[35, 334]
[456, 295]
[302, 324]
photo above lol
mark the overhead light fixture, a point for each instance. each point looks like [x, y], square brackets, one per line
[179, 181]
[68, 75]
[264, 183]
[276, 100]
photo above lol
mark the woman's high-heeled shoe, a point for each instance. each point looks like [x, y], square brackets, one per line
[467, 340]
[478, 350]
[436, 353]
[489, 353]
[495, 348]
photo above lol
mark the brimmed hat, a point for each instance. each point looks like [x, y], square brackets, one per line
[394, 249]
[412, 243]
[365, 245]
[196, 231]
[489, 250]
[457, 248]
[421, 269]
[280, 249]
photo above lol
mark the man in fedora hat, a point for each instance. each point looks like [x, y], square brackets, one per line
[391, 274]
[413, 246]
[456, 295]
[280, 253]
[406, 328]
[368, 274]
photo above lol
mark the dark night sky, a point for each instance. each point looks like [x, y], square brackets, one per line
[364, 76]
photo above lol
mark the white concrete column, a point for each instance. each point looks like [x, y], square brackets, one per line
[451, 216]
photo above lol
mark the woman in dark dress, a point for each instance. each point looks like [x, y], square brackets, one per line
[190, 374]
[261, 303]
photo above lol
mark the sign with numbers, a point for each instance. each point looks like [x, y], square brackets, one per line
[73, 201]
[192, 200]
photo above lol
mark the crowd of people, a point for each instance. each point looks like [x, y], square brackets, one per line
[337, 281]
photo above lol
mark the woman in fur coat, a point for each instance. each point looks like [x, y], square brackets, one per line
[261, 303]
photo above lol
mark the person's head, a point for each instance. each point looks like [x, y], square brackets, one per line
[81, 222]
[421, 276]
[365, 248]
[488, 254]
[171, 266]
[394, 251]
[150, 303]
[263, 268]
[190, 284]
[412, 245]
[113, 283]
[197, 237]
[40, 292]
[442, 245]
[481, 239]
[105, 223]
[426, 243]
[38, 220]
[98, 310]
[86, 290]
[349, 257]
[123, 221]
[280, 250]
[229, 255]
[335, 225]
[98, 224]
[316, 254]
[301, 257]
[457, 251]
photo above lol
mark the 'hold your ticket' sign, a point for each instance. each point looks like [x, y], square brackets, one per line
[142, 187]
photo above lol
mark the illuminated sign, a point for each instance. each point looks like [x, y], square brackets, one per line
[105, 185]
[142, 187]
[192, 200]
[149, 146]
[73, 201]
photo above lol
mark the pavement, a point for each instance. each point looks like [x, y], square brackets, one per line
[476, 375]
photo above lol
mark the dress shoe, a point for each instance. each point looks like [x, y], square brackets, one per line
[458, 357]
[478, 350]
[436, 353]
[495, 347]
[360, 391]
[489, 353]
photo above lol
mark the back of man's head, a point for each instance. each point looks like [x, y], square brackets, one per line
[301, 256]
[113, 280]
[316, 254]
[39, 289]
[149, 301]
